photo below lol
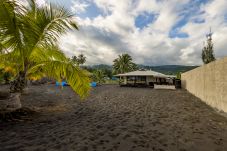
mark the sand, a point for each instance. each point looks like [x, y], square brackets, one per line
[115, 118]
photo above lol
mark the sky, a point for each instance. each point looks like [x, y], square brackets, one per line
[153, 32]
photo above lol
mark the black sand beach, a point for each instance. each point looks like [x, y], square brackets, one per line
[115, 118]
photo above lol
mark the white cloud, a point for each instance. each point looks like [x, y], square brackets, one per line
[214, 18]
[41, 2]
[79, 6]
[104, 37]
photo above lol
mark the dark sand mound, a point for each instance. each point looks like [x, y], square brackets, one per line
[115, 118]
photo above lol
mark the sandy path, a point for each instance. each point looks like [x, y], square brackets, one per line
[115, 118]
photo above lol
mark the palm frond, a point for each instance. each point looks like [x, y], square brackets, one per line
[30, 34]
[49, 23]
[3, 50]
[76, 77]
[49, 53]
[10, 25]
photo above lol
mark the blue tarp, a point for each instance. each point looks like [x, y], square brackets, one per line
[93, 84]
[63, 83]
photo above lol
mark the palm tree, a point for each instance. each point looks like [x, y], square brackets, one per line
[80, 60]
[28, 44]
[74, 59]
[123, 64]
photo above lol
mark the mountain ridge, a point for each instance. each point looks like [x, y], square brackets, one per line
[165, 69]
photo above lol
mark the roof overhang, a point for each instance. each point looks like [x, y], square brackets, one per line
[145, 73]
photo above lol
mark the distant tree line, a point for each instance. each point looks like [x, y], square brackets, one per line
[100, 73]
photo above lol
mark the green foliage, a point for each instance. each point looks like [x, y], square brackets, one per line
[179, 75]
[207, 52]
[123, 64]
[5, 76]
[80, 60]
[105, 68]
[108, 73]
[99, 76]
[74, 59]
[31, 33]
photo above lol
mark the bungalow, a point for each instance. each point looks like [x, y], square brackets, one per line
[144, 78]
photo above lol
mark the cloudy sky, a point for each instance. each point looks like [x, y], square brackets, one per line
[153, 32]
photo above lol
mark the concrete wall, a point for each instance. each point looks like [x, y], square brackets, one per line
[209, 83]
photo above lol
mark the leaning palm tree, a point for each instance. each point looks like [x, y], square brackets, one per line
[123, 64]
[28, 44]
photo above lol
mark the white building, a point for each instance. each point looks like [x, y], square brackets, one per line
[144, 78]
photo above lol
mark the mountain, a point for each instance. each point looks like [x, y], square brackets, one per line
[165, 69]
[169, 69]
[102, 66]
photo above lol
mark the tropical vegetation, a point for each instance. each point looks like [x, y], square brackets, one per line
[107, 69]
[207, 51]
[79, 60]
[99, 76]
[124, 64]
[28, 44]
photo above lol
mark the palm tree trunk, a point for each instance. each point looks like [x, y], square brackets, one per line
[19, 83]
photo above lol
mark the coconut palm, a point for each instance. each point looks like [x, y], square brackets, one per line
[80, 60]
[123, 64]
[28, 44]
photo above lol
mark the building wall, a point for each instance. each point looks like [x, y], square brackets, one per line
[150, 79]
[209, 83]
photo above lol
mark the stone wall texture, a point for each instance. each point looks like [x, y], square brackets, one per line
[209, 83]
